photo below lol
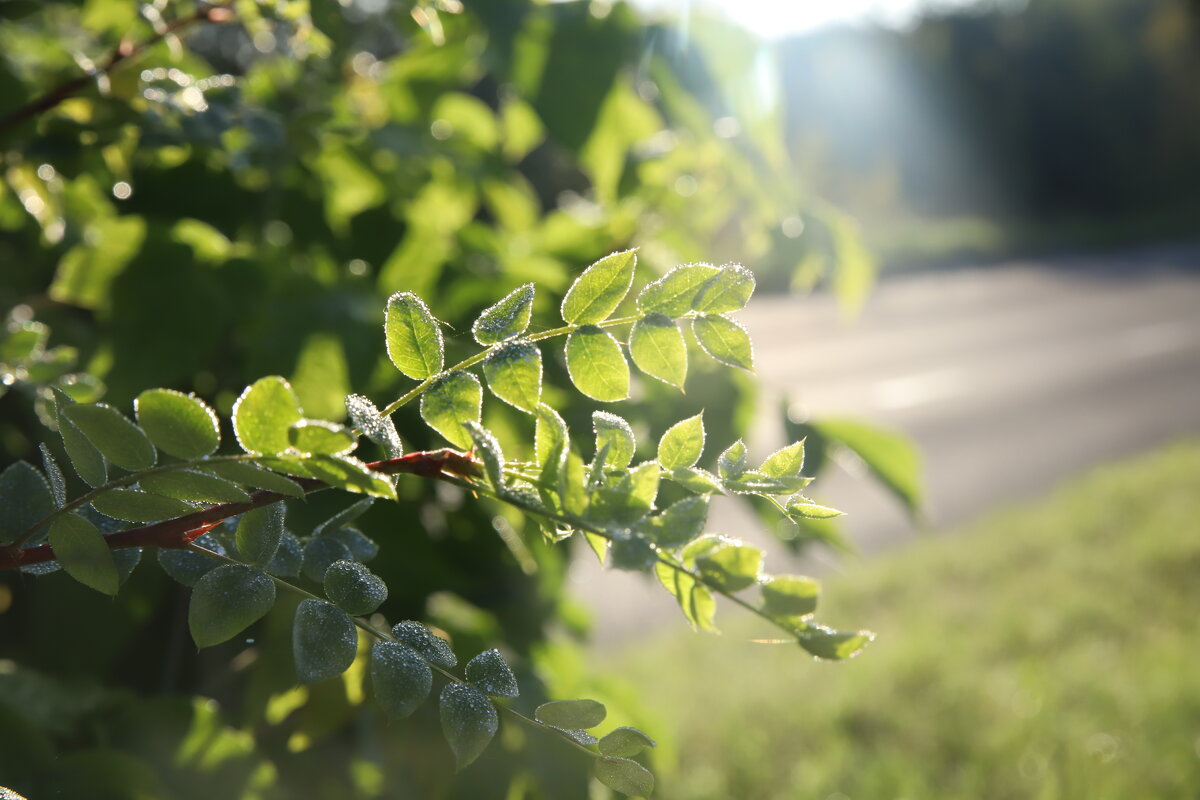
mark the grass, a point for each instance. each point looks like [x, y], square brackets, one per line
[1051, 651]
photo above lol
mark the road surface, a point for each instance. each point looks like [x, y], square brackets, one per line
[1009, 379]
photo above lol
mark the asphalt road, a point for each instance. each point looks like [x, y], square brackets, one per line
[1009, 379]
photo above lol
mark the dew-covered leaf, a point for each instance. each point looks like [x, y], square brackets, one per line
[25, 499]
[790, 595]
[728, 290]
[432, 647]
[596, 364]
[625, 742]
[414, 340]
[469, 721]
[490, 674]
[193, 485]
[755, 482]
[680, 523]
[263, 413]
[732, 462]
[695, 600]
[597, 292]
[576, 735]
[354, 588]
[657, 347]
[550, 437]
[319, 554]
[361, 546]
[580, 714]
[324, 641]
[625, 776]
[804, 508]
[507, 318]
[724, 340]
[787, 462]
[831, 645]
[572, 486]
[88, 462]
[288, 559]
[226, 601]
[682, 444]
[187, 567]
[113, 434]
[179, 424]
[615, 433]
[643, 486]
[81, 550]
[132, 505]
[731, 566]
[673, 293]
[350, 474]
[697, 481]
[400, 677]
[345, 516]
[450, 401]
[258, 534]
[487, 448]
[54, 477]
[376, 427]
[318, 437]
[125, 559]
[514, 374]
[256, 477]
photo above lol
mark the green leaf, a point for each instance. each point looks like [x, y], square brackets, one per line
[318, 437]
[324, 641]
[514, 374]
[354, 588]
[732, 463]
[625, 776]
[400, 677]
[193, 485]
[132, 505]
[831, 645]
[787, 462]
[263, 414]
[597, 544]
[489, 673]
[54, 478]
[469, 721]
[188, 567]
[754, 482]
[694, 598]
[682, 444]
[657, 347]
[414, 340]
[288, 559]
[790, 595]
[728, 290]
[643, 486]
[550, 437]
[572, 485]
[489, 452]
[450, 401]
[379, 429]
[616, 433]
[678, 525]
[600, 289]
[228, 600]
[695, 480]
[259, 532]
[889, 455]
[731, 566]
[432, 647]
[807, 509]
[507, 318]
[81, 550]
[180, 425]
[632, 553]
[625, 742]
[673, 293]
[571, 714]
[87, 460]
[596, 365]
[348, 473]
[25, 499]
[724, 340]
[256, 477]
[113, 434]
[319, 554]
[22, 341]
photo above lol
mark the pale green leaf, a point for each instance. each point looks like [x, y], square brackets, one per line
[790, 595]
[469, 721]
[616, 433]
[25, 499]
[625, 742]
[625, 776]
[600, 289]
[673, 293]
[354, 588]
[113, 434]
[657, 347]
[259, 532]
[318, 437]
[680, 523]
[724, 340]
[643, 486]
[514, 374]
[346, 472]
[732, 462]
[731, 566]
[489, 673]
[787, 462]
[193, 485]
[132, 505]
[803, 507]
[889, 455]
[694, 598]
[571, 714]
[324, 641]
[400, 677]
[180, 425]
[450, 401]
[81, 550]
[507, 318]
[728, 290]
[597, 544]
[682, 444]
[226, 601]
[414, 339]
[259, 478]
[596, 365]
[432, 647]
[488, 449]
[572, 485]
[263, 413]
[831, 645]
[550, 436]
[697, 481]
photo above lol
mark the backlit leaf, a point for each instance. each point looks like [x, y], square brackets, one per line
[81, 550]
[469, 721]
[731, 566]
[596, 365]
[180, 425]
[728, 290]
[831, 645]
[489, 452]
[450, 401]
[673, 293]
[507, 318]
[514, 374]
[317, 436]
[551, 437]
[113, 434]
[226, 601]
[732, 462]
[682, 444]
[324, 641]
[694, 598]
[400, 677]
[256, 477]
[132, 505]
[597, 292]
[54, 478]
[193, 485]
[803, 507]
[379, 429]
[678, 525]
[87, 460]
[263, 413]
[616, 433]
[786, 462]
[657, 347]
[724, 340]
[346, 472]
[414, 340]
[790, 595]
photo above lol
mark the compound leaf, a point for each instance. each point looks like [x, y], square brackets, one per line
[179, 424]
[354, 588]
[414, 340]
[600, 289]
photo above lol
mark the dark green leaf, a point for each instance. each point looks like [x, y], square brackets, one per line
[731, 566]
[354, 588]
[469, 721]
[187, 567]
[401, 678]
[263, 414]
[657, 347]
[625, 776]
[600, 289]
[632, 553]
[54, 478]
[724, 340]
[113, 434]
[432, 647]
[226, 601]
[625, 743]
[25, 499]
[180, 425]
[615, 433]
[673, 293]
[490, 674]
[678, 525]
[256, 477]
[259, 532]
[507, 318]
[790, 595]
[135, 506]
[87, 460]
[728, 290]
[514, 374]
[345, 516]
[193, 485]
[319, 554]
[682, 444]
[450, 401]
[580, 714]
[324, 641]
[288, 559]
[832, 645]
[596, 365]
[414, 340]
[81, 550]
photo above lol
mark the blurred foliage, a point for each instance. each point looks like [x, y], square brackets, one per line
[233, 201]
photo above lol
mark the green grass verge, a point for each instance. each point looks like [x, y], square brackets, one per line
[1051, 651]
